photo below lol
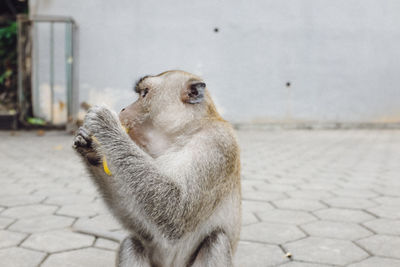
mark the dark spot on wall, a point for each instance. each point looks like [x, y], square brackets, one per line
[288, 84]
[216, 30]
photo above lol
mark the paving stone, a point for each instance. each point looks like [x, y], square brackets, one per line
[382, 245]
[384, 226]
[299, 204]
[340, 230]
[29, 211]
[69, 199]
[284, 166]
[5, 222]
[83, 257]
[311, 194]
[325, 251]
[11, 201]
[255, 206]
[393, 191]
[81, 210]
[264, 196]
[269, 255]
[248, 218]
[355, 193]
[377, 262]
[8, 238]
[343, 215]
[56, 241]
[286, 216]
[55, 191]
[20, 257]
[106, 244]
[14, 190]
[40, 224]
[385, 211]
[271, 233]
[390, 201]
[303, 264]
[265, 187]
[320, 186]
[103, 222]
[351, 203]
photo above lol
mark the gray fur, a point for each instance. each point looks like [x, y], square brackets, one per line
[182, 212]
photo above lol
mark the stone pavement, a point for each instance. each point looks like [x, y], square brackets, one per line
[310, 198]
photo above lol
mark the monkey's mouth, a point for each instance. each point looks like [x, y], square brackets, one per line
[126, 129]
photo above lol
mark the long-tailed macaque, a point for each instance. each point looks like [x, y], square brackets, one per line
[174, 173]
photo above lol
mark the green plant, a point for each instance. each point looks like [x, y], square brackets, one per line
[8, 66]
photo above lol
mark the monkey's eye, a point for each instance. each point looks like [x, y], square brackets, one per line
[144, 92]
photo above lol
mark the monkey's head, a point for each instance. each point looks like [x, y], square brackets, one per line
[168, 102]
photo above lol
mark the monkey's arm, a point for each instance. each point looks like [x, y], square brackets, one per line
[135, 178]
[163, 201]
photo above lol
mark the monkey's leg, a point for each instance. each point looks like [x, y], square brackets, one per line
[214, 251]
[132, 254]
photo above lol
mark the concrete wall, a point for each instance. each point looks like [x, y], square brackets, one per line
[341, 57]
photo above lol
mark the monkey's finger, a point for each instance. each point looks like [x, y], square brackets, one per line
[84, 133]
[79, 141]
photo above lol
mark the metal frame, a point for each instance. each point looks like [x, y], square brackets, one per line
[70, 63]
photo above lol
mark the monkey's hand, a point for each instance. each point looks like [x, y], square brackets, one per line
[83, 144]
[100, 122]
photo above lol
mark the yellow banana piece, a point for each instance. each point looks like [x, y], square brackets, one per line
[105, 166]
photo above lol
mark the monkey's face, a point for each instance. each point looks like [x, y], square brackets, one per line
[166, 104]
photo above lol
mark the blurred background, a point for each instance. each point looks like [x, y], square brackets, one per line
[310, 62]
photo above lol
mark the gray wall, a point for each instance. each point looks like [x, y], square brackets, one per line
[341, 57]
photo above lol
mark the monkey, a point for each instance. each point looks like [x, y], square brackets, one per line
[174, 179]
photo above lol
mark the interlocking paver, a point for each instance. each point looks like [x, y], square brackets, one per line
[20, 257]
[352, 203]
[299, 204]
[104, 222]
[262, 195]
[340, 230]
[303, 264]
[248, 218]
[83, 257]
[377, 262]
[331, 184]
[286, 216]
[269, 255]
[311, 194]
[8, 238]
[271, 233]
[343, 215]
[11, 201]
[5, 222]
[79, 210]
[69, 199]
[29, 211]
[106, 244]
[384, 226]
[355, 192]
[382, 245]
[40, 224]
[56, 241]
[255, 206]
[326, 251]
[386, 211]
[395, 201]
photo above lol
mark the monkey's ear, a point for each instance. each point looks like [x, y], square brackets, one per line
[194, 93]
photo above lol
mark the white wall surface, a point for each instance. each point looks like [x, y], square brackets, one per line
[342, 57]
